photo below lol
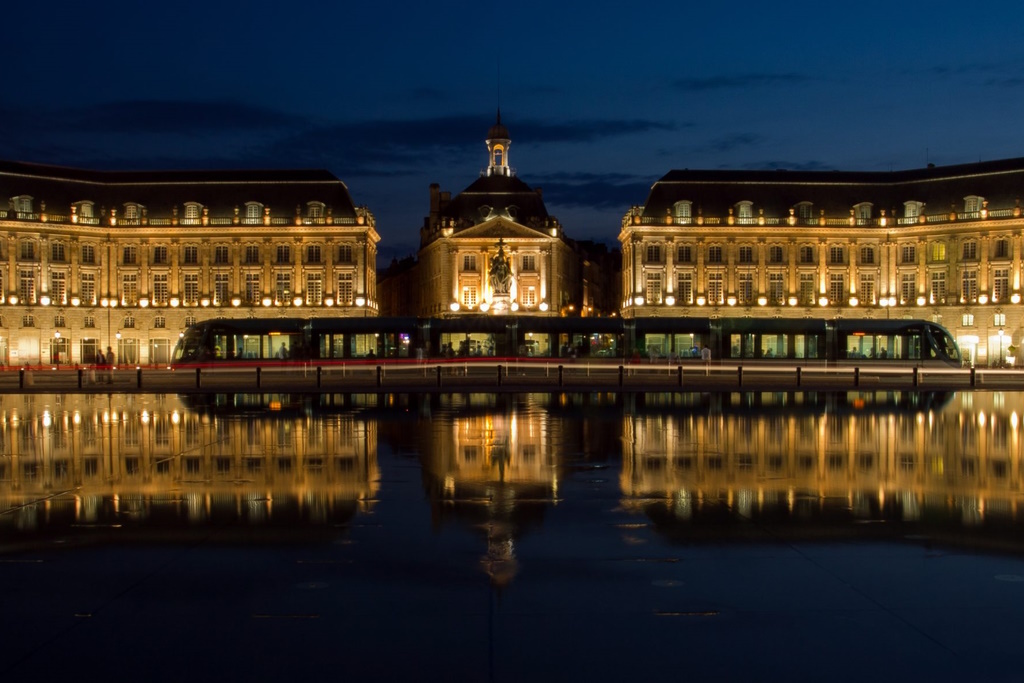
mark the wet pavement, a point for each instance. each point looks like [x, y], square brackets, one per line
[507, 542]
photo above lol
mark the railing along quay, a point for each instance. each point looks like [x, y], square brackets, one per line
[499, 375]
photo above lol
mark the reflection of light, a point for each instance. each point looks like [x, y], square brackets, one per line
[175, 417]
[77, 418]
[145, 417]
[981, 419]
[47, 418]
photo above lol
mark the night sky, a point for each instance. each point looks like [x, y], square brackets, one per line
[600, 98]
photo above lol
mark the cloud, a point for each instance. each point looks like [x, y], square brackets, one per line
[594, 190]
[778, 164]
[738, 81]
[728, 143]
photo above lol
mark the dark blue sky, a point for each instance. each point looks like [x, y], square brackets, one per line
[601, 98]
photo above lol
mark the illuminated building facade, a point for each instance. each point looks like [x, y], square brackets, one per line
[128, 259]
[493, 248]
[940, 243]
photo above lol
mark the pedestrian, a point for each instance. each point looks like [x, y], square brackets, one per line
[705, 355]
[110, 365]
[101, 361]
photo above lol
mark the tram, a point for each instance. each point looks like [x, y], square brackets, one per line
[767, 340]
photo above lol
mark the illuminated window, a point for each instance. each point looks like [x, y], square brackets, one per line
[59, 287]
[88, 288]
[807, 291]
[938, 252]
[345, 289]
[836, 255]
[469, 262]
[681, 212]
[911, 211]
[653, 253]
[776, 288]
[253, 213]
[529, 297]
[1000, 284]
[27, 286]
[999, 320]
[192, 212]
[745, 288]
[282, 287]
[221, 289]
[653, 288]
[745, 212]
[867, 255]
[938, 293]
[684, 288]
[867, 288]
[253, 291]
[968, 320]
[314, 289]
[837, 288]
[160, 289]
[191, 289]
[972, 205]
[160, 322]
[908, 288]
[969, 286]
[863, 213]
[715, 288]
[469, 296]
[529, 262]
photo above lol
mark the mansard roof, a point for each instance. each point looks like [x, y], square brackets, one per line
[1001, 183]
[496, 195]
[160, 191]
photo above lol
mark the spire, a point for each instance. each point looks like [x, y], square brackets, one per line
[498, 143]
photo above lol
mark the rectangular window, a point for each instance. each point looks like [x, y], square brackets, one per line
[867, 289]
[89, 321]
[252, 255]
[653, 253]
[282, 287]
[653, 288]
[999, 320]
[968, 320]
[313, 254]
[314, 289]
[684, 254]
[908, 254]
[684, 288]
[221, 289]
[88, 289]
[59, 288]
[938, 293]
[191, 289]
[867, 256]
[775, 254]
[160, 289]
[57, 252]
[529, 262]
[469, 296]
[836, 256]
[221, 255]
[716, 289]
[469, 262]
[345, 253]
[837, 288]
[191, 255]
[28, 251]
[807, 293]
[1002, 249]
[129, 289]
[908, 288]
[159, 256]
[1000, 284]
[160, 322]
[969, 287]
[938, 252]
[529, 297]
[253, 292]
[745, 288]
[806, 254]
[129, 256]
[345, 289]
[746, 254]
[284, 254]
[27, 286]
[970, 251]
[776, 288]
[714, 254]
[88, 254]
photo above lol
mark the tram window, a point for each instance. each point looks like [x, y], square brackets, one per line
[657, 345]
[774, 346]
[603, 345]
[805, 346]
[687, 346]
[535, 344]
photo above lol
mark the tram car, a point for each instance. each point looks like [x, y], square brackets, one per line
[729, 339]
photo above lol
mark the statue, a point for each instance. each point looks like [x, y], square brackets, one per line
[501, 271]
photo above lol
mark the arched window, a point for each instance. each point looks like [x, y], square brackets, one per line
[681, 211]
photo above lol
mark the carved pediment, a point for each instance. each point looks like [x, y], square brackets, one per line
[499, 227]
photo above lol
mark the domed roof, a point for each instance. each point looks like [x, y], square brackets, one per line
[498, 131]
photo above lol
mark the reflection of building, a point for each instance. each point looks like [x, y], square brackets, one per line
[157, 462]
[783, 455]
[496, 470]
[936, 243]
[95, 259]
[462, 237]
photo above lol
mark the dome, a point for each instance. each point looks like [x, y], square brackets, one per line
[498, 131]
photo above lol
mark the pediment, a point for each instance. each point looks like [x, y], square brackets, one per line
[499, 227]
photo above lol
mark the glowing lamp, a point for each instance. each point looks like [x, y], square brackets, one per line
[236, 301]
[983, 299]
[921, 301]
[762, 301]
[670, 300]
[44, 300]
[297, 301]
[454, 306]
[543, 305]
[823, 301]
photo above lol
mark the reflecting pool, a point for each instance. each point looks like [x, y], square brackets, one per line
[500, 537]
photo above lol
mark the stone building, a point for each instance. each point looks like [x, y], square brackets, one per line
[940, 243]
[94, 259]
[497, 223]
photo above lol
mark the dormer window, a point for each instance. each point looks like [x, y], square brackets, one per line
[911, 211]
[862, 212]
[682, 212]
[972, 205]
[86, 210]
[805, 211]
[315, 210]
[745, 211]
[253, 213]
[192, 212]
[131, 212]
[22, 204]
